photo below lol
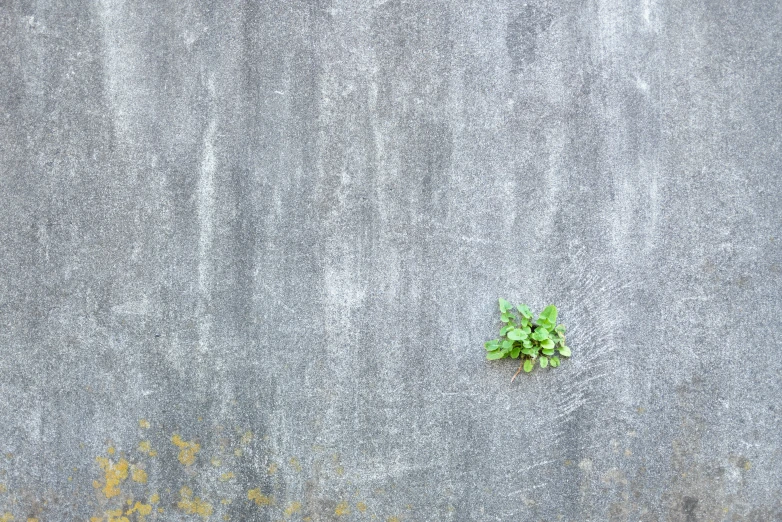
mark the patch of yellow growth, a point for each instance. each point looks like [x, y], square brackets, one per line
[144, 424]
[111, 450]
[6, 517]
[273, 467]
[32, 520]
[216, 462]
[142, 509]
[154, 499]
[116, 516]
[342, 509]
[114, 475]
[340, 471]
[293, 508]
[294, 462]
[225, 501]
[394, 519]
[193, 505]
[238, 452]
[225, 477]
[138, 475]
[259, 498]
[96, 519]
[146, 447]
[3, 488]
[361, 506]
[187, 449]
[246, 438]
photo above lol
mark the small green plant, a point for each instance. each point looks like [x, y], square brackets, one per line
[528, 339]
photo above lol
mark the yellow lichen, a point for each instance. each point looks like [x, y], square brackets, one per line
[154, 499]
[193, 505]
[294, 462]
[143, 424]
[273, 467]
[361, 506]
[216, 462]
[142, 509]
[32, 520]
[394, 519]
[259, 498]
[293, 508]
[238, 452]
[246, 438]
[116, 516]
[225, 477]
[3, 488]
[340, 471]
[146, 447]
[6, 517]
[114, 475]
[342, 509]
[187, 449]
[138, 475]
[96, 519]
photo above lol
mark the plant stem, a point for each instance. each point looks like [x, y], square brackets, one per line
[518, 371]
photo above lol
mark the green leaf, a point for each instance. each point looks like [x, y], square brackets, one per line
[526, 343]
[492, 345]
[505, 318]
[543, 362]
[507, 345]
[524, 311]
[504, 305]
[528, 365]
[517, 335]
[499, 354]
[540, 334]
[514, 353]
[554, 361]
[547, 343]
[507, 328]
[529, 351]
[564, 351]
[548, 351]
[560, 329]
[548, 315]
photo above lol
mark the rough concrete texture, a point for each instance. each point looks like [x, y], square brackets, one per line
[250, 252]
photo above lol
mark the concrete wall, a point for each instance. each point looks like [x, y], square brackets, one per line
[250, 252]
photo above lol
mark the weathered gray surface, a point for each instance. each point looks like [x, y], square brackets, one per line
[294, 218]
